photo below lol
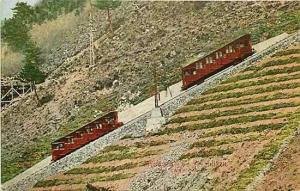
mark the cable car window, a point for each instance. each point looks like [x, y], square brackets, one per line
[199, 65]
[217, 55]
[210, 60]
[220, 54]
[206, 60]
[194, 72]
[242, 45]
[230, 49]
[187, 73]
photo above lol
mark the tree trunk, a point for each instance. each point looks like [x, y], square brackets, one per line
[35, 93]
[109, 20]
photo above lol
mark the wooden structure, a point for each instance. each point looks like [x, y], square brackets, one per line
[12, 89]
[230, 54]
[84, 135]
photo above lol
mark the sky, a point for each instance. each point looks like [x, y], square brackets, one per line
[7, 5]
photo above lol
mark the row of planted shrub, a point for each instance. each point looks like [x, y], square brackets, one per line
[140, 144]
[262, 73]
[120, 155]
[259, 90]
[207, 153]
[220, 122]
[273, 63]
[214, 143]
[239, 85]
[287, 52]
[106, 169]
[237, 111]
[199, 107]
[85, 180]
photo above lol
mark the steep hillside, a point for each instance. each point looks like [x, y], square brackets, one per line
[166, 33]
[220, 140]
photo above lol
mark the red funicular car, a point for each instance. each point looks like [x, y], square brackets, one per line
[217, 60]
[84, 135]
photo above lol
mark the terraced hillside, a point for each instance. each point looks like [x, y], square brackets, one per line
[220, 140]
[145, 33]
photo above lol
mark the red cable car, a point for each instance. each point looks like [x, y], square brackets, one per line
[84, 135]
[230, 54]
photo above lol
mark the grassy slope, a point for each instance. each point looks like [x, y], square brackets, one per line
[248, 136]
[77, 96]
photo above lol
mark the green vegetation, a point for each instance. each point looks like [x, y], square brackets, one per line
[276, 96]
[213, 143]
[136, 144]
[244, 130]
[221, 96]
[237, 85]
[278, 62]
[125, 154]
[106, 168]
[207, 153]
[149, 144]
[46, 98]
[262, 74]
[114, 148]
[218, 123]
[233, 112]
[56, 182]
[15, 31]
[286, 52]
[287, 22]
[265, 155]
[34, 153]
[30, 71]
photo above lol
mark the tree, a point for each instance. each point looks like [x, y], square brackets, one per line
[107, 5]
[30, 71]
[15, 30]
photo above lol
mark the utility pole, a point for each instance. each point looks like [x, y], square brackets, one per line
[92, 54]
[155, 84]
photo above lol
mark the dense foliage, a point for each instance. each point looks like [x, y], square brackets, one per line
[15, 30]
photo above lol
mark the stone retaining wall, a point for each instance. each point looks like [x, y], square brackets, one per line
[137, 126]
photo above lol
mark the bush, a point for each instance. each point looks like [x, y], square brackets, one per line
[262, 74]
[213, 143]
[46, 98]
[286, 52]
[106, 168]
[196, 107]
[208, 153]
[244, 93]
[218, 123]
[125, 154]
[56, 182]
[251, 84]
[233, 112]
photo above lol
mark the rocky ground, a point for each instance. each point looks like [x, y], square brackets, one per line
[220, 140]
[145, 33]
